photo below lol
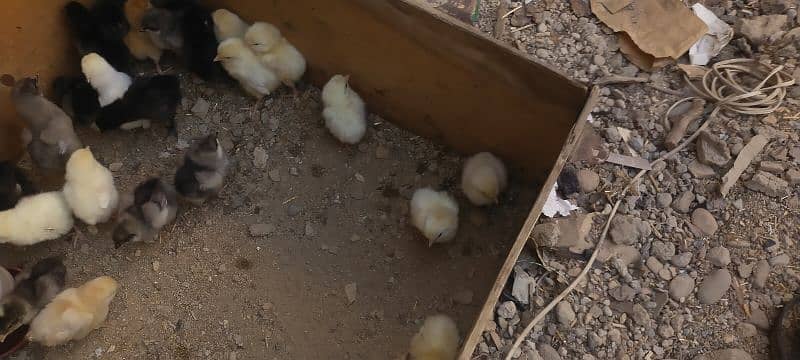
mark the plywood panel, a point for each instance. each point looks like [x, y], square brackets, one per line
[431, 74]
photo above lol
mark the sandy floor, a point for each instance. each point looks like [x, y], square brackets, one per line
[209, 289]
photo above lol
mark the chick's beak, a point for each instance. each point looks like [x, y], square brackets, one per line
[217, 58]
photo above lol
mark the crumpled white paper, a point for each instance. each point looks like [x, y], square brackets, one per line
[556, 205]
[719, 34]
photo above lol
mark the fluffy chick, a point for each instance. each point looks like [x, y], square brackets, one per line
[200, 43]
[228, 25]
[483, 179]
[35, 288]
[155, 205]
[203, 171]
[436, 340]
[435, 214]
[139, 42]
[110, 84]
[89, 188]
[50, 133]
[36, 218]
[13, 185]
[153, 98]
[74, 313]
[276, 53]
[345, 114]
[243, 65]
[100, 30]
[163, 28]
[77, 98]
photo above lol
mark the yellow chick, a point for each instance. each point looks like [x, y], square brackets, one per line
[137, 41]
[243, 65]
[35, 219]
[344, 113]
[110, 84]
[74, 313]
[89, 188]
[436, 340]
[483, 179]
[276, 52]
[435, 214]
[228, 25]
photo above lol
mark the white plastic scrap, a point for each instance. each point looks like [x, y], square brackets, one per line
[719, 34]
[556, 205]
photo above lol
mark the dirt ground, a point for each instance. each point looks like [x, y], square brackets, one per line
[335, 215]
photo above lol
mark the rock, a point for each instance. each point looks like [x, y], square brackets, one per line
[654, 265]
[612, 134]
[261, 229]
[588, 180]
[725, 354]
[275, 175]
[711, 150]
[758, 29]
[622, 293]
[627, 230]
[640, 315]
[382, 152]
[548, 353]
[704, 221]
[719, 256]
[293, 209]
[260, 157]
[745, 270]
[761, 273]
[681, 260]
[775, 167]
[351, 290]
[463, 297]
[200, 107]
[714, 287]
[507, 310]
[758, 317]
[775, 6]
[156, 266]
[683, 202]
[664, 251]
[521, 288]
[663, 200]
[310, 230]
[666, 331]
[570, 233]
[746, 330]
[115, 166]
[564, 313]
[681, 287]
[768, 184]
[780, 260]
[793, 176]
[700, 170]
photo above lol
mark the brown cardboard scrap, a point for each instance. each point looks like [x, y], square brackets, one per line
[660, 28]
[638, 57]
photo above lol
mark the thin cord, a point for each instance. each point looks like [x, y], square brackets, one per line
[722, 85]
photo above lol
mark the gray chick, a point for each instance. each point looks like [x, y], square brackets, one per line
[164, 28]
[202, 174]
[155, 205]
[36, 287]
[50, 136]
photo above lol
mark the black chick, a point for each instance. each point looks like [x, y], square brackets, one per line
[99, 36]
[110, 17]
[203, 171]
[155, 205]
[13, 185]
[152, 98]
[77, 98]
[37, 287]
[172, 4]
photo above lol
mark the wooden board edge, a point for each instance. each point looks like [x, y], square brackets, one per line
[522, 238]
[475, 32]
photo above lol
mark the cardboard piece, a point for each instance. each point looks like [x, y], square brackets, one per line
[719, 34]
[658, 28]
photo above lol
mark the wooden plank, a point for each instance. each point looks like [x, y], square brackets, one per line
[522, 239]
[463, 10]
[431, 74]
